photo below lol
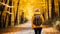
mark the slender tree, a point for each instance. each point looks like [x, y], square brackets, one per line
[53, 10]
[22, 18]
[17, 13]
[59, 7]
[48, 7]
[1, 12]
[10, 4]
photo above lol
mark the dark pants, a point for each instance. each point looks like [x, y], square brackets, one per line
[37, 30]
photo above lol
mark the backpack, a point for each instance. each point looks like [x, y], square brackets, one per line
[37, 21]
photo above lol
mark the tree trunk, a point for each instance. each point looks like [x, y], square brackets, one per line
[59, 8]
[53, 10]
